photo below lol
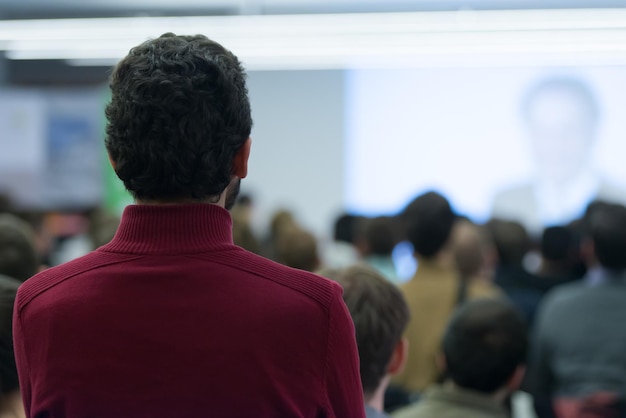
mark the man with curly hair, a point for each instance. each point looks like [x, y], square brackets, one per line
[171, 319]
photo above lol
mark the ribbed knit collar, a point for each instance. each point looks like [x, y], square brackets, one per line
[172, 229]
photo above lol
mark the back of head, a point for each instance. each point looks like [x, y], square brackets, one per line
[380, 315]
[179, 113]
[557, 243]
[511, 240]
[608, 233]
[344, 229]
[429, 220]
[297, 248]
[8, 371]
[18, 255]
[484, 344]
[468, 247]
[380, 235]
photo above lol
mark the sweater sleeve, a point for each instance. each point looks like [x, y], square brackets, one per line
[20, 360]
[342, 379]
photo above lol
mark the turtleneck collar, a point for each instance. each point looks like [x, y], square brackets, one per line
[172, 229]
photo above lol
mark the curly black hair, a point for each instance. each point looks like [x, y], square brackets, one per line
[179, 112]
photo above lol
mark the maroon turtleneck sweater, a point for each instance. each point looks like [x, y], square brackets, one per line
[171, 319]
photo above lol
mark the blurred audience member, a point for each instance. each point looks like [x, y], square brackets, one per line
[297, 248]
[341, 252]
[243, 234]
[558, 248]
[102, 227]
[11, 405]
[474, 254]
[18, 255]
[171, 319]
[435, 290]
[578, 360]
[484, 352]
[512, 243]
[380, 316]
[376, 243]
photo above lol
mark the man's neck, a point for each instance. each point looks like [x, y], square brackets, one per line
[377, 399]
[499, 396]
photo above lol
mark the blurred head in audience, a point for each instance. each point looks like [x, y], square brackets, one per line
[473, 252]
[607, 236]
[345, 226]
[378, 236]
[380, 316]
[511, 241]
[562, 115]
[485, 347]
[557, 248]
[297, 248]
[10, 399]
[179, 121]
[429, 220]
[18, 255]
[243, 208]
[243, 235]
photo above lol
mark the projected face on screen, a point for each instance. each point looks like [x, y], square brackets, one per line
[561, 116]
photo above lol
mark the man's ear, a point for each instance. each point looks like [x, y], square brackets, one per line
[588, 251]
[240, 162]
[515, 381]
[113, 164]
[441, 362]
[399, 357]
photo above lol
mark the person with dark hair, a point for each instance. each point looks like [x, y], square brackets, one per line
[341, 251]
[18, 254]
[558, 253]
[562, 116]
[380, 316]
[11, 405]
[376, 242]
[435, 290]
[171, 319]
[578, 357]
[484, 353]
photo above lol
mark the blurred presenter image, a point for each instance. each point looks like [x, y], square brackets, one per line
[561, 116]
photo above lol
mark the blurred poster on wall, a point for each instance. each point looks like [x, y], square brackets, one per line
[51, 148]
[22, 145]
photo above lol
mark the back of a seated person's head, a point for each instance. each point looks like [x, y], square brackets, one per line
[345, 227]
[469, 246]
[297, 248]
[557, 243]
[379, 236]
[429, 219]
[484, 345]
[18, 255]
[8, 371]
[607, 227]
[511, 241]
[380, 315]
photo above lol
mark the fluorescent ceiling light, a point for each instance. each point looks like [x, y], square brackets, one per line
[556, 37]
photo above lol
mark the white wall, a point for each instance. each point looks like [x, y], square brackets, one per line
[297, 159]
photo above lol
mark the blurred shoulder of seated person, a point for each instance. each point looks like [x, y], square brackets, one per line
[10, 398]
[380, 315]
[579, 337]
[375, 243]
[18, 254]
[297, 248]
[484, 353]
[170, 318]
[433, 293]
